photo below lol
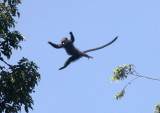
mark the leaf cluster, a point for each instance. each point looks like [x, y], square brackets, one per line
[120, 95]
[9, 39]
[16, 85]
[121, 72]
[157, 109]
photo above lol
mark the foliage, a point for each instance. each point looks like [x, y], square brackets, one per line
[9, 39]
[122, 72]
[120, 95]
[157, 109]
[17, 82]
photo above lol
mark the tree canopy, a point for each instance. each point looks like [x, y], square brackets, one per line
[18, 81]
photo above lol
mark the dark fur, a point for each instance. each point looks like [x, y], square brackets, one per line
[73, 51]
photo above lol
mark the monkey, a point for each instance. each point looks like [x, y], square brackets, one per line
[73, 51]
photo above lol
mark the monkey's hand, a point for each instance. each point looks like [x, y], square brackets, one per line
[70, 32]
[49, 42]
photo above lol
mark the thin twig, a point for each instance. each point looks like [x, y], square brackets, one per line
[130, 82]
[138, 75]
[147, 77]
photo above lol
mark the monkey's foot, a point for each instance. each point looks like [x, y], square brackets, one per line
[61, 68]
[90, 57]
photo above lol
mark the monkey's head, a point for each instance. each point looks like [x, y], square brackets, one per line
[64, 41]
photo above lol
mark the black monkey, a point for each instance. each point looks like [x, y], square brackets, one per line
[74, 52]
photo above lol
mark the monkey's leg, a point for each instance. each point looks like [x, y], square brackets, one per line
[70, 59]
[85, 55]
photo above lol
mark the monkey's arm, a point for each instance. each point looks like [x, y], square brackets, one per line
[55, 45]
[101, 46]
[72, 37]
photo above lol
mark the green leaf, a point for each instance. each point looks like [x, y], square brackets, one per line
[18, 14]
[23, 37]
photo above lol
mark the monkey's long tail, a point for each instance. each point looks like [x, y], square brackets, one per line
[101, 46]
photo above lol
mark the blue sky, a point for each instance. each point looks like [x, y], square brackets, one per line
[84, 86]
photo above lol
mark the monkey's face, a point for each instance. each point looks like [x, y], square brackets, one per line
[64, 41]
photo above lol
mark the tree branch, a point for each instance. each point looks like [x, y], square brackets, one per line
[5, 62]
[147, 77]
[130, 82]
